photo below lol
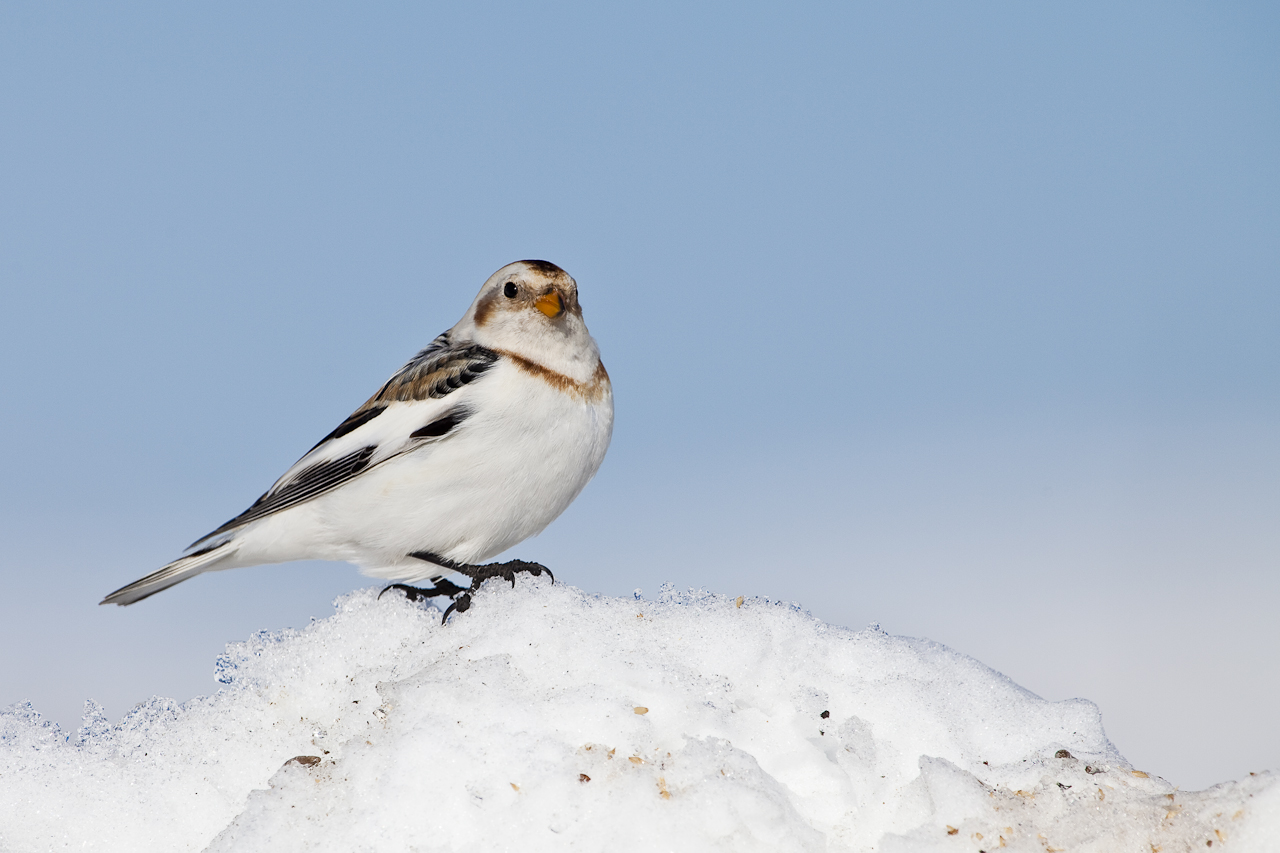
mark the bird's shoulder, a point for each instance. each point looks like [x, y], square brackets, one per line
[405, 404]
[441, 368]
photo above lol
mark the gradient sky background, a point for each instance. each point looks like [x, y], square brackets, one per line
[962, 318]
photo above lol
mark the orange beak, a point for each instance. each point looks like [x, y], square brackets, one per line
[550, 304]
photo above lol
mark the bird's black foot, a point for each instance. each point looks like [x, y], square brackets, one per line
[417, 593]
[506, 571]
[478, 574]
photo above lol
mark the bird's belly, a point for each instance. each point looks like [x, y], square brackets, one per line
[503, 476]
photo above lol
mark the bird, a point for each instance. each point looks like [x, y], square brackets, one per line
[480, 441]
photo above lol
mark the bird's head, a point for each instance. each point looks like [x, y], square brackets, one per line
[531, 308]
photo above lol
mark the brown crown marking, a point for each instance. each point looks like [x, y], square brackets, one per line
[544, 267]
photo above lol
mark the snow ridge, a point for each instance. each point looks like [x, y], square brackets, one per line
[545, 718]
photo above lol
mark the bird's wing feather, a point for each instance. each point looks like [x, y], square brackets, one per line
[410, 409]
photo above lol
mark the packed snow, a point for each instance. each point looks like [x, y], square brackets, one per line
[545, 718]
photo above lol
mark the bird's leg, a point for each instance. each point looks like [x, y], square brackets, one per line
[478, 574]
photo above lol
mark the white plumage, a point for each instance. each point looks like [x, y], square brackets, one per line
[476, 444]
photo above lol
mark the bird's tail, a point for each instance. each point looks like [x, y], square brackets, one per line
[176, 572]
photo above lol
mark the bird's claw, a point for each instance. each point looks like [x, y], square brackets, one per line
[461, 604]
[413, 593]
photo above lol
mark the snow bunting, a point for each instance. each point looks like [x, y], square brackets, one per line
[477, 443]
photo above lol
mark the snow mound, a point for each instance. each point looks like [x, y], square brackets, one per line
[545, 719]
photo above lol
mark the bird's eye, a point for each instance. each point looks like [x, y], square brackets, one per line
[510, 290]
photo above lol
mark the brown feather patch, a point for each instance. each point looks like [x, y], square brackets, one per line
[591, 390]
[485, 307]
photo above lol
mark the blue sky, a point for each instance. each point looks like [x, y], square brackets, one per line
[965, 320]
